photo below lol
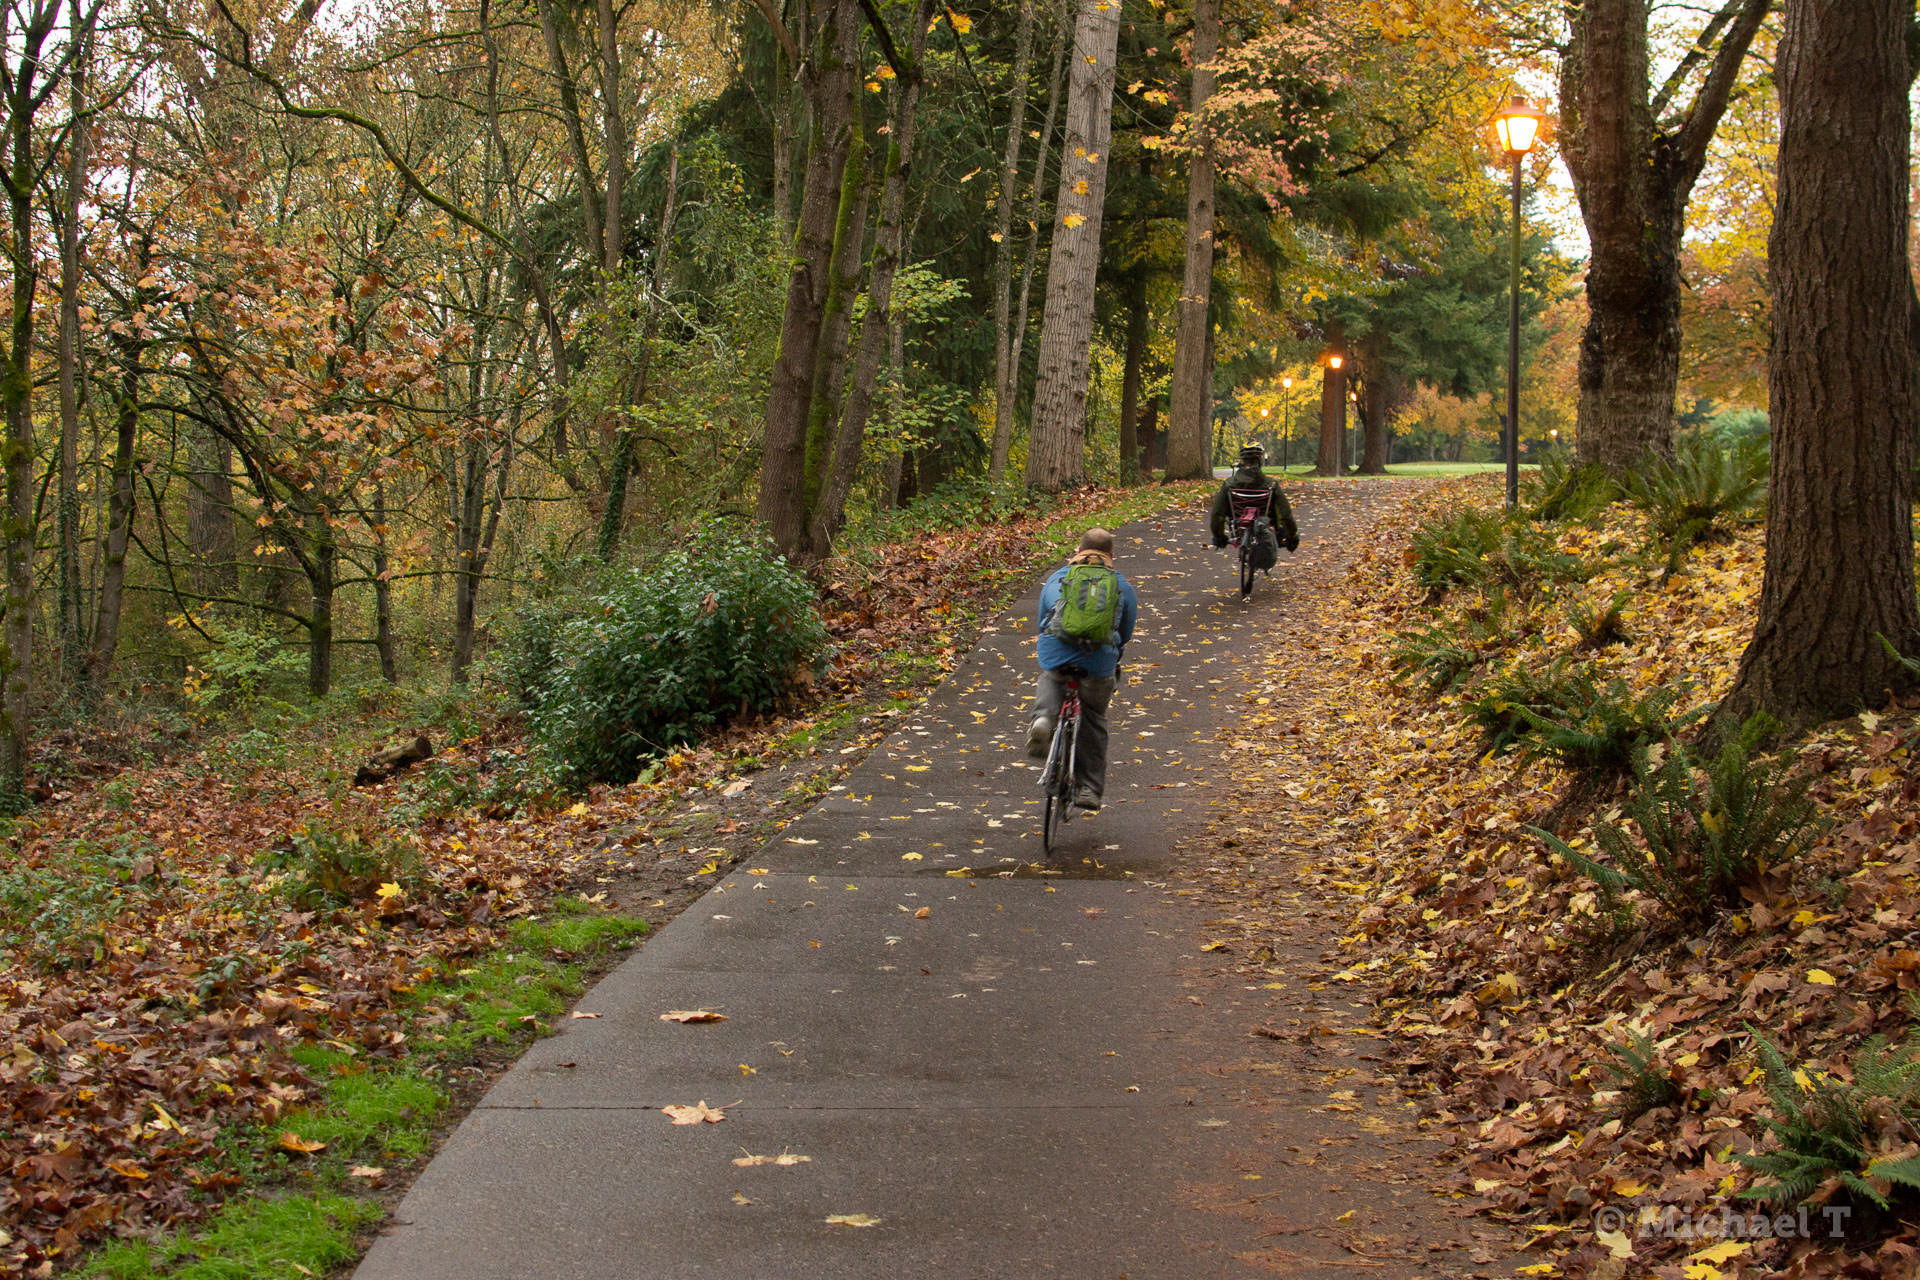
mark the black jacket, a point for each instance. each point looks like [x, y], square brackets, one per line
[1280, 512]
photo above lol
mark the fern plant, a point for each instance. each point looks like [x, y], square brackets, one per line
[1636, 1071]
[1480, 549]
[1507, 706]
[1566, 490]
[1599, 624]
[1598, 729]
[1847, 1133]
[1436, 654]
[1700, 841]
[1697, 496]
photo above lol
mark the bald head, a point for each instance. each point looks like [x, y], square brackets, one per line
[1097, 540]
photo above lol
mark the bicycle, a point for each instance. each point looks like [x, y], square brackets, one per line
[1249, 508]
[1056, 777]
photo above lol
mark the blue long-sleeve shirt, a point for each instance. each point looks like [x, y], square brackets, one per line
[1055, 653]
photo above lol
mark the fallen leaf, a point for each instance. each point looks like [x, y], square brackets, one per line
[695, 1114]
[292, 1141]
[852, 1220]
[692, 1015]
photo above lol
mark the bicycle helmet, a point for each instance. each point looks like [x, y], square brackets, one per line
[1253, 456]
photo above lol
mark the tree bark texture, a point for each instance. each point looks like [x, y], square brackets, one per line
[1006, 378]
[1017, 339]
[73, 656]
[832, 81]
[130, 348]
[1055, 449]
[1376, 402]
[1188, 431]
[889, 247]
[836, 332]
[1131, 374]
[1839, 572]
[1633, 174]
[1333, 413]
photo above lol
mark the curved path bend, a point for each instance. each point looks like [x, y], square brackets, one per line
[1001, 1065]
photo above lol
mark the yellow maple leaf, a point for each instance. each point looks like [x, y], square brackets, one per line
[390, 890]
[1072, 220]
[961, 22]
[1080, 188]
[1820, 977]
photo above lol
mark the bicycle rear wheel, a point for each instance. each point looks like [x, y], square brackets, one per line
[1246, 566]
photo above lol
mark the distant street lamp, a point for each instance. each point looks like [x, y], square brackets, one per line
[1286, 409]
[1517, 125]
[1334, 361]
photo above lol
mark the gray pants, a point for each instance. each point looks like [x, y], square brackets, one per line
[1090, 753]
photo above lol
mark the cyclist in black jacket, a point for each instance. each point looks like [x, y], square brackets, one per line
[1277, 531]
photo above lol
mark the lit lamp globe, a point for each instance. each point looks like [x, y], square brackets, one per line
[1518, 125]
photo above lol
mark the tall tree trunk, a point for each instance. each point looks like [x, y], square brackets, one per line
[1017, 340]
[73, 657]
[16, 397]
[623, 455]
[1376, 395]
[592, 213]
[1839, 568]
[836, 326]
[1006, 378]
[891, 471]
[383, 591]
[1188, 442]
[477, 521]
[1633, 179]
[130, 347]
[1333, 411]
[783, 147]
[1130, 376]
[322, 569]
[1055, 453]
[889, 248]
[613, 114]
[832, 83]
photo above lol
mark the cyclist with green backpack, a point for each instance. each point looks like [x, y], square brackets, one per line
[1086, 616]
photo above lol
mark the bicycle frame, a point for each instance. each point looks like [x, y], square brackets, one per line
[1056, 779]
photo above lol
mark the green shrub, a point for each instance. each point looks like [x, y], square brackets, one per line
[721, 628]
[55, 910]
[1700, 840]
[1739, 426]
[1565, 490]
[331, 866]
[1856, 1134]
[1701, 493]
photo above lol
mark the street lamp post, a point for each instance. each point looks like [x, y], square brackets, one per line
[1286, 411]
[1354, 446]
[1517, 125]
[1334, 361]
[1263, 425]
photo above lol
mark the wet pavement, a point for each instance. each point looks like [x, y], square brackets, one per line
[944, 1052]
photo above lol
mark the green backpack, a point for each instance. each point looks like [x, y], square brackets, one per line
[1088, 611]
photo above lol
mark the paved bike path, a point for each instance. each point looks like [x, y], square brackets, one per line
[994, 1060]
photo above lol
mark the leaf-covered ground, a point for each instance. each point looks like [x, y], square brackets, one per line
[1508, 989]
[171, 933]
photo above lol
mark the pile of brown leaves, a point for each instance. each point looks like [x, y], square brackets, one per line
[1497, 974]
